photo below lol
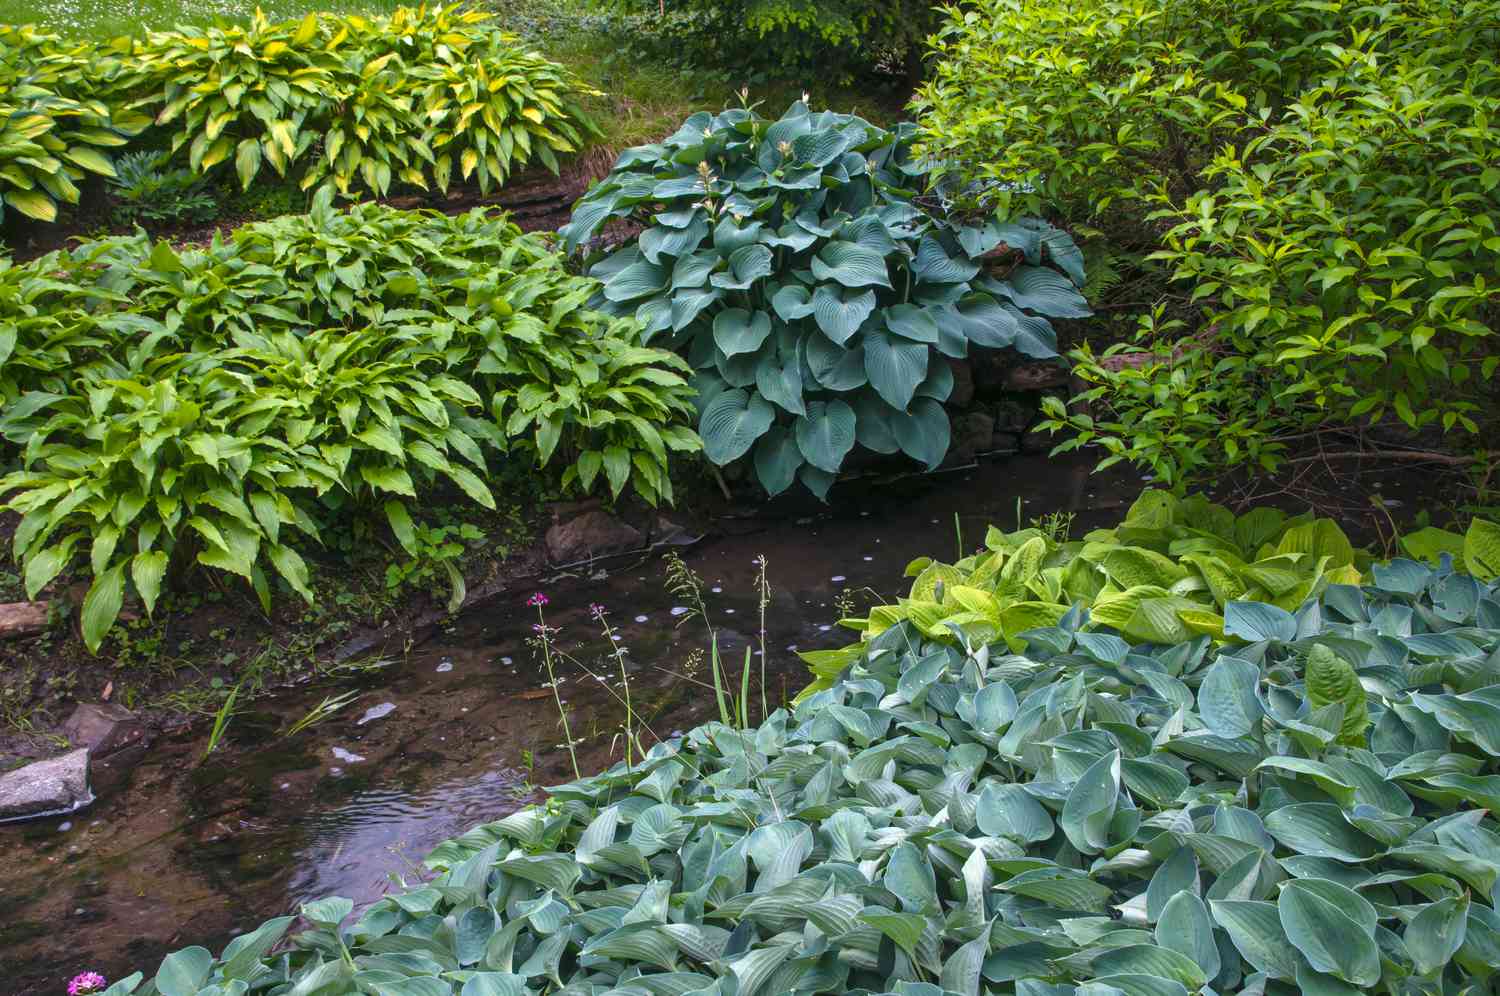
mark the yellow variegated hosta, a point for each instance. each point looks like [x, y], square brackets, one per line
[1164, 575]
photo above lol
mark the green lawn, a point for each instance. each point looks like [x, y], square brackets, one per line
[105, 19]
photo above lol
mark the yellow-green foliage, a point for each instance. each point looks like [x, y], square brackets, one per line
[1164, 575]
[358, 103]
[52, 132]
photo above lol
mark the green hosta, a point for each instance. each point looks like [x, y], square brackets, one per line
[813, 295]
[1173, 569]
[1308, 813]
[358, 103]
[1476, 551]
[205, 405]
[53, 133]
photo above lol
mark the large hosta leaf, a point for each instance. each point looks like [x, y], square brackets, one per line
[840, 313]
[731, 423]
[777, 457]
[922, 432]
[739, 331]
[850, 265]
[835, 367]
[895, 366]
[825, 435]
[1045, 291]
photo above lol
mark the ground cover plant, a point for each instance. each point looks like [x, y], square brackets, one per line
[173, 407]
[1298, 194]
[1304, 809]
[55, 130]
[815, 294]
[416, 96]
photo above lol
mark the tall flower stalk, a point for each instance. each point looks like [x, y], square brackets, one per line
[544, 636]
[617, 651]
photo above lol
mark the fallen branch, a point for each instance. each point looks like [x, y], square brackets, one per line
[1422, 456]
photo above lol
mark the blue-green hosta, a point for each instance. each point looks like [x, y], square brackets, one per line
[796, 266]
[205, 405]
[1308, 812]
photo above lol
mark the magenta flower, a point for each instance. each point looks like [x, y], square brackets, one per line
[597, 610]
[538, 600]
[86, 982]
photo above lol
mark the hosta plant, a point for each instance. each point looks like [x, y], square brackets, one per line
[796, 266]
[357, 104]
[53, 131]
[203, 405]
[1307, 813]
[1170, 571]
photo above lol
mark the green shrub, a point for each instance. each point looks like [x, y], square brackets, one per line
[788, 37]
[1308, 813]
[1316, 177]
[359, 103]
[812, 292]
[145, 192]
[204, 404]
[53, 132]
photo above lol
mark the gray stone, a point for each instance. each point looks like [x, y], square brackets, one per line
[23, 618]
[103, 728]
[973, 434]
[46, 788]
[595, 533]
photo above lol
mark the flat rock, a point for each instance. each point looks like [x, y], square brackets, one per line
[594, 533]
[104, 728]
[973, 434]
[22, 618]
[46, 788]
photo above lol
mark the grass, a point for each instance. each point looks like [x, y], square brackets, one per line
[106, 19]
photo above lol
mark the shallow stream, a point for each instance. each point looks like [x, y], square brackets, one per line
[460, 731]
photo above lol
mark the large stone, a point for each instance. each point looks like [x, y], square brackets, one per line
[963, 383]
[973, 434]
[115, 738]
[595, 533]
[103, 728]
[45, 788]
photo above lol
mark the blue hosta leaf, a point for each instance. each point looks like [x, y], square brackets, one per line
[779, 380]
[984, 321]
[850, 265]
[747, 264]
[731, 423]
[1035, 336]
[693, 269]
[873, 422]
[818, 148]
[1090, 806]
[894, 365]
[688, 304]
[923, 432]
[1045, 291]
[777, 458]
[1333, 927]
[826, 434]
[791, 302]
[730, 236]
[911, 322]
[835, 367]
[672, 242]
[1257, 621]
[840, 313]
[739, 331]
[636, 281]
[1436, 933]
[934, 265]
[1227, 698]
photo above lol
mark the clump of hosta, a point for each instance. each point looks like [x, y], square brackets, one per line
[1307, 813]
[797, 266]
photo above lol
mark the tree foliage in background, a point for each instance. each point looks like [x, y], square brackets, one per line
[207, 405]
[813, 290]
[785, 37]
[1316, 179]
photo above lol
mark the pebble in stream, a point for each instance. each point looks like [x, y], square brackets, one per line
[376, 712]
[347, 756]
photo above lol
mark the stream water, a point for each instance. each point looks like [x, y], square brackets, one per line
[195, 850]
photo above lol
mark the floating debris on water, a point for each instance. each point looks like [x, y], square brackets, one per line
[678, 610]
[640, 618]
[838, 577]
[347, 756]
[445, 665]
[376, 712]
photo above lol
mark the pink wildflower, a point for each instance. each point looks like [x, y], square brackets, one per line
[86, 982]
[537, 599]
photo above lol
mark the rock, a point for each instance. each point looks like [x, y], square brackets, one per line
[46, 788]
[115, 738]
[103, 728]
[963, 383]
[23, 618]
[595, 533]
[973, 434]
[672, 532]
[1036, 377]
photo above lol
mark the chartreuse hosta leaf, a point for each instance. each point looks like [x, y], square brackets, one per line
[772, 250]
[196, 407]
[1070, 812]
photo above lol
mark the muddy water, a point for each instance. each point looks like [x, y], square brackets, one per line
[195, 850]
